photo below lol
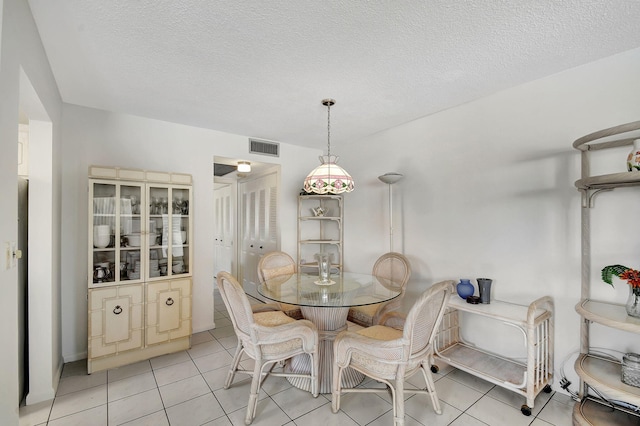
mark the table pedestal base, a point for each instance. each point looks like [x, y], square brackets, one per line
[329, 321]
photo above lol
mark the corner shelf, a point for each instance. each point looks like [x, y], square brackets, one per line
[592, 412]
[608, 314]
[320, 233]
[605, 375]
[610, 181]
[599, 374]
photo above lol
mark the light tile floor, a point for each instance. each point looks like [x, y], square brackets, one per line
[185, 388]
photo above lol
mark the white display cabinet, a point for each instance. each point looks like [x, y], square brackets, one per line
[139, 265]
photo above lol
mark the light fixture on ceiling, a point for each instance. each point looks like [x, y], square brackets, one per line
[244, 167]
[328, 177]
[390, 178]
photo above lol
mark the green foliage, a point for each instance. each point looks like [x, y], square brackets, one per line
[609, 271]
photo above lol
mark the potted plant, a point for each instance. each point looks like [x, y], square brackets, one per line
[632, 277]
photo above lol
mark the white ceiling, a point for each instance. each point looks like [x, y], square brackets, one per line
[261, 68]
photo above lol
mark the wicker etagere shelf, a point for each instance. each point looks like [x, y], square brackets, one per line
[600, 375]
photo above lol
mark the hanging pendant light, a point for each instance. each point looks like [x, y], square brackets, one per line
[328, 177]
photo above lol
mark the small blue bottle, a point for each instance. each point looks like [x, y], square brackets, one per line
[465, 288]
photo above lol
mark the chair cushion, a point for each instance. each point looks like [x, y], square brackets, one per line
[373, 362]
[291, 310]
[380, 332]
[363, 315]
[272, 319]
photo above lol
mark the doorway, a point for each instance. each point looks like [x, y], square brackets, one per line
[41, 328]
[246, 218]
[23, 272]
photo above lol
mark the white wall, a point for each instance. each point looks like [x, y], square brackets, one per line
[98, 137]
[22, 50]
[489, 192]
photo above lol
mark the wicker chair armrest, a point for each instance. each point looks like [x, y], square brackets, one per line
[300, 329]
[392, 319]
[393, 305]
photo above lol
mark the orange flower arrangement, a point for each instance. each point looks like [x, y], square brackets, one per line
[632, 277]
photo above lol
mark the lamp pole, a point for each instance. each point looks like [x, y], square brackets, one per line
[390, 178]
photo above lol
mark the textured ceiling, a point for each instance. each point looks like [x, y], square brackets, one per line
[261, 68]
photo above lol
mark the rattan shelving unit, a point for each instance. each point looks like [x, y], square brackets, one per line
[596, 373]
[320, 233]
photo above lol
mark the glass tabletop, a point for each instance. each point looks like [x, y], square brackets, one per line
[348, 289]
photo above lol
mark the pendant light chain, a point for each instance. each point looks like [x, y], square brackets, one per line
[328, 103]
[329, 129]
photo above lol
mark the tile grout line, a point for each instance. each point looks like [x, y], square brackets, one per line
[223, 314]
[166, 415]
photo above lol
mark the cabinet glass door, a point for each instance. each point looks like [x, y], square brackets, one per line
[115, 235]
[169, 228]
[131, 235]
[180, 230]
[158, 253]
[102, 233]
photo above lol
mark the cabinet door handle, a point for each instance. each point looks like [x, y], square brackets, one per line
[260, 247]
[117, 310]
[251, 246]
[169, 302]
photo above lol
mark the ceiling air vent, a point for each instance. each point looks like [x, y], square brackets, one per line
[263, 147]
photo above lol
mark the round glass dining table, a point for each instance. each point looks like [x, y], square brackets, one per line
[326, 304]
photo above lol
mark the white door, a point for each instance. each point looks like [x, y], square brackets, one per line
[259, 227]
[224, 232]
[23, 234]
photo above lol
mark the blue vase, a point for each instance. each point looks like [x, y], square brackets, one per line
[465, 288]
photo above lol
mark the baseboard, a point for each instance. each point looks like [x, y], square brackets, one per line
[57, 376]
[206, 327]
[74, 357]
[33, 398]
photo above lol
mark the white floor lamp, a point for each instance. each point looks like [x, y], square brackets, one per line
[390, 178]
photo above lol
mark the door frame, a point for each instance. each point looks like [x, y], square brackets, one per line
[224, 181]
[273, 173]
[259, 170]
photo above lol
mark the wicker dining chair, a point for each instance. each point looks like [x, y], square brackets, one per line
[390, 355]
[393, 270]
[267, 338]
[274, 268]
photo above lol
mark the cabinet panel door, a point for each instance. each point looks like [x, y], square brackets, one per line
[168, 310]
[224, 232]
[259, 227]
[115, 320]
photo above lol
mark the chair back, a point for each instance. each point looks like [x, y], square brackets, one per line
[393, 270]
[275, 265]
[424, 318]
[237, 304]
